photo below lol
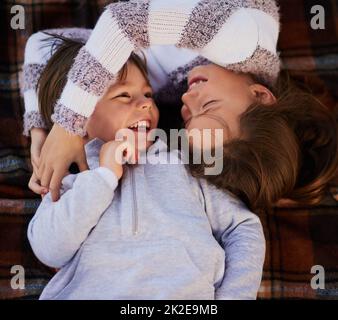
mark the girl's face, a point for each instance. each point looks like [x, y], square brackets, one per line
[127, 104]
[217, 97]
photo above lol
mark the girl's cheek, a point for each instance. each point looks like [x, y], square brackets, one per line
[185, 113]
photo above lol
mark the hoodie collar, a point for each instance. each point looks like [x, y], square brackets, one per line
[92, 150]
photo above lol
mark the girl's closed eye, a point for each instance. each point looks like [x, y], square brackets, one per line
[209, 103]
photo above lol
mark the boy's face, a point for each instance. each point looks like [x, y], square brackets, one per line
[127, 104]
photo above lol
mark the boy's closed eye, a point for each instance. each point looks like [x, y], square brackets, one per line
[122, 95]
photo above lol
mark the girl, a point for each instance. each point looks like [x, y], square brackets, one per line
[111, 245]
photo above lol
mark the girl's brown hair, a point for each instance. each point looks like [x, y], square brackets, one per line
[285, 150]
[54, 76]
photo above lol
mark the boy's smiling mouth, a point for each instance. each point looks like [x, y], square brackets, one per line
[142, 125]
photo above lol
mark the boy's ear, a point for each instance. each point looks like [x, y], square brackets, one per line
[262, 94]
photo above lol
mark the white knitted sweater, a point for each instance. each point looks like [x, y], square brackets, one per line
[240, 35]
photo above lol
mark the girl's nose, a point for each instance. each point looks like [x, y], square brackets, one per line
[190, 99]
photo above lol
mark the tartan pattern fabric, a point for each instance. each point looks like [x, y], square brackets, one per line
[297, 238]
[311, 55]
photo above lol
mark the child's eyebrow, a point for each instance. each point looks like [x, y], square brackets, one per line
[148, 86]
[120, 85]
[115, 86]
[126, 83]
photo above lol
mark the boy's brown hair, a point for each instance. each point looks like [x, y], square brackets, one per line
[54, 76]
[285, 150]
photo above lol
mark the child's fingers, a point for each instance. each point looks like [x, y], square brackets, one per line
[46, 177]
[55, 186]
[129, 154]
[82, 164]
[40, 170]
[56, 181]
[121, 152]
[35, 186]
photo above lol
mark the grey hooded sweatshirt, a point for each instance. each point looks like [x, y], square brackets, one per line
[158, 233]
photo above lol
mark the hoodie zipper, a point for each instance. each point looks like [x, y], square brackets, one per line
[134, 210]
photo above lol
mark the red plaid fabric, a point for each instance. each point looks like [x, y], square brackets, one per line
[297, 238]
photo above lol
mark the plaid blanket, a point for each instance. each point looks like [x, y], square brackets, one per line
[297, 238]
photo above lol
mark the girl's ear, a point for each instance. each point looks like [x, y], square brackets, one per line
[262, 94]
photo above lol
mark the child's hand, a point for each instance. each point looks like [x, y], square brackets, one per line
[114, 153]
[34, 185]
[59, 151]
[38, 138]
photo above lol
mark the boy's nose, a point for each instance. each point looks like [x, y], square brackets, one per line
[144, 104]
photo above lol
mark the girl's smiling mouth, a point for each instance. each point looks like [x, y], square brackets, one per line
[195, 81]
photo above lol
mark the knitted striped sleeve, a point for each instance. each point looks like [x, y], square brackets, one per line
[167, 76]
[238, 34]
[38, 51]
